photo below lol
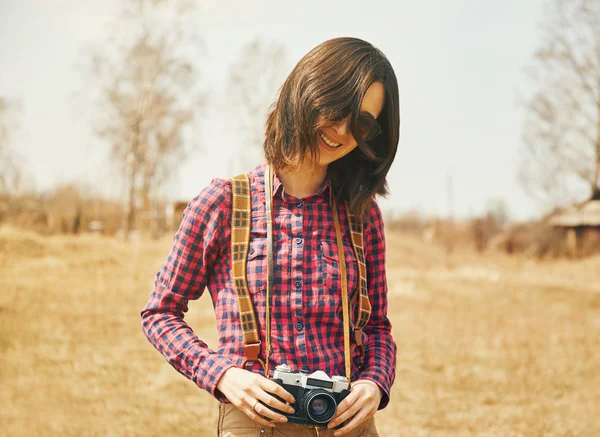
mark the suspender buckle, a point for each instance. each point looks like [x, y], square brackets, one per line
[359, 344]
[252, 351]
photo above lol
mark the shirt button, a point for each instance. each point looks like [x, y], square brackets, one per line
[298, 241]
[299, 326]
[297, 284]
[299, 204]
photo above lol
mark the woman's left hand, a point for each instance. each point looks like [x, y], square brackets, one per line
[361, 404]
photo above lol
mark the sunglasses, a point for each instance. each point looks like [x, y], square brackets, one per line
[368, 128]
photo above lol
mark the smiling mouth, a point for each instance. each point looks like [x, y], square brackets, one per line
[328, 141]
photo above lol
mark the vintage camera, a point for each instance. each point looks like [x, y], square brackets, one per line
[317, 395]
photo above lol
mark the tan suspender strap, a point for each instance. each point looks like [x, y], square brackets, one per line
[240, 238]
[345, 305]
[364, 306]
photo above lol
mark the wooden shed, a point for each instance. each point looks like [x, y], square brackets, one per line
[580, 226]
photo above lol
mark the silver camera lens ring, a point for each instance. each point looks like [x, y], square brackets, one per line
[329, 399]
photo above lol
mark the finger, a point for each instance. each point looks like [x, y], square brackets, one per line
[246, 404]
[356, 420]
[276, 389]
[347, 403]
[264, 411]
[340, 417]
[252, 414]
[273, 403]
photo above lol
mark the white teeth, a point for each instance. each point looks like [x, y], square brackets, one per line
[329, 143]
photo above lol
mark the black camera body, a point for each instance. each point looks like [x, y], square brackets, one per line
[317, 395]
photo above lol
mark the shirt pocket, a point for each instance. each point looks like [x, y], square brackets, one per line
[329, 267]
[256, 266]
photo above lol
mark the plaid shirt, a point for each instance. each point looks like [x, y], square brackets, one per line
[307, 323]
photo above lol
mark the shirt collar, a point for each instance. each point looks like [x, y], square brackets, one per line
[258, 173]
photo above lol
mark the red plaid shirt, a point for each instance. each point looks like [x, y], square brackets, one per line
[307, 326]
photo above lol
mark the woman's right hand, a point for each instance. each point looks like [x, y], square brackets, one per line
[252, 393]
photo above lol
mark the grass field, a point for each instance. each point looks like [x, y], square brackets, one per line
[488, 346]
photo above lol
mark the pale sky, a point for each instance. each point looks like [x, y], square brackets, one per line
[461, 66]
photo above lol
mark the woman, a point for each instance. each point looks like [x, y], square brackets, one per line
[331, 137]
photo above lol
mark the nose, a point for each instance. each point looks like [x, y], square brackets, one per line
[342, 129]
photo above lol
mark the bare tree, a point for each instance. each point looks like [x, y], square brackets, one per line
[65, 204]
[493, 221]
[147, 94]
[497, 212]
[561, 159]
[11, 175]
[253, 83]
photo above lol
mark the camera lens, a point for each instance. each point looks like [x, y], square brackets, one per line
[320, 406]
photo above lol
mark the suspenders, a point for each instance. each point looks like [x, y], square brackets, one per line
[240, 237]
[241, 223]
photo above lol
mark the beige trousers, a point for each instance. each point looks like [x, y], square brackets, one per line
[234, 423]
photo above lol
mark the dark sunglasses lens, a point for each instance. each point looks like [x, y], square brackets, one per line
[368, 128]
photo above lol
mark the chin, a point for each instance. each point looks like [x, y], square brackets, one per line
[326, 158]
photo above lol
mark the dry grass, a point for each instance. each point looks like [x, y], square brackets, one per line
[488, 346]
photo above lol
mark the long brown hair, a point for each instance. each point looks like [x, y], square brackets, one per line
[331, 81]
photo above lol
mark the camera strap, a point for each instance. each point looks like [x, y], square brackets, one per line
[270, 270]
[345, 305]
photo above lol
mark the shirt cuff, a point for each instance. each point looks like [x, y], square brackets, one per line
[213, 369]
